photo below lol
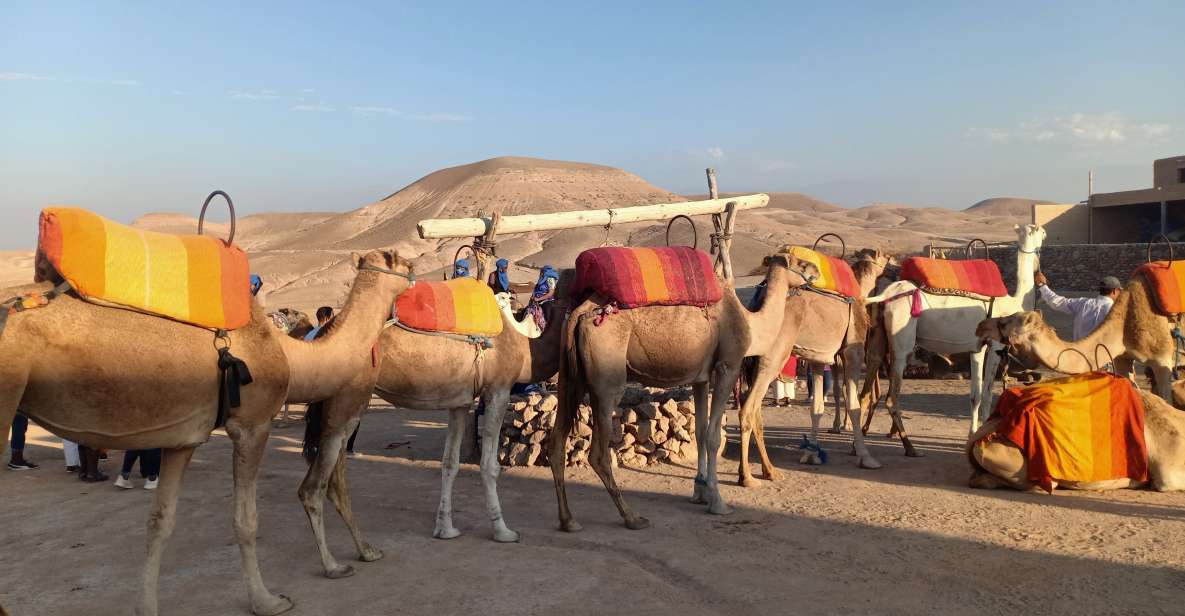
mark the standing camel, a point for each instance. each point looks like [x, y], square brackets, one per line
[835, 335]
[663, 346]
[947, 325]
[1132, 331]
[134, 381]
[428, 372]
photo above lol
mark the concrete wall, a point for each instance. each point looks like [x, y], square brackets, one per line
[1078, 267]
[1065, 223]
[1165, 171]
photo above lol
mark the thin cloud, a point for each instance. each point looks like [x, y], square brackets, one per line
[257, 95]
[179, 92]
[716, 152]
[439, 118]
[127, 83]
[1081, 129]
[308, 91]
[370, 111]
[771, 166]
[320, 107]
[24, 77]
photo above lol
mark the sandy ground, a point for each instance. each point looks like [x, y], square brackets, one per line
[909, 538]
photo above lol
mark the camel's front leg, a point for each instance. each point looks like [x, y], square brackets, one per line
[749, 418]
[893, 402]
[855, 359]
[699, 394]
[450, 463]
[599, 456]
[495, 403]
[161, 521]
[316, 481]
[723, 375]
[813, 452]
[984, 363]
[339, 494]
[250, 443]
[571, 394]
[841, 420]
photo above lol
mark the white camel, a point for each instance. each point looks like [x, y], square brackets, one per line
[947, 324]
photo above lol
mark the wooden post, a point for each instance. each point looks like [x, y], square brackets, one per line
[712, 192]
[485, 247]
[730, 213]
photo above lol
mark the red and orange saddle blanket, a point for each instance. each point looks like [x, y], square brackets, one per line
[459, 306]
[1168, 284]
[194, 279]
[635, 277]
[975, 276]
[835, 275]
[1088, 427]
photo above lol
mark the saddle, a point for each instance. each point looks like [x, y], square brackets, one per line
[193, 279]
[636, 277]
[1088, 427]
[835, 275]
[461, 306]
[1168, 284]
[969, 276]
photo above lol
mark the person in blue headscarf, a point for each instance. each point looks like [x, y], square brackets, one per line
[499, 279]
[461, 268]
[544, 292]
[256, 284]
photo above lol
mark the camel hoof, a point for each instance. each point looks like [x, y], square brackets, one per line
[446, 533]
[370, 554]
[772, 475]
[870, 463]
[506, 536]
[339, 572]
[637, 523]
[571, 526]
[719, 508]
[277, 605]
[697, 496]
[910, 452]
[745, 481]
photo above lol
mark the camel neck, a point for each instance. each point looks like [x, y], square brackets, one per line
[765, 324]
[1026, 264]
[545, 350]
[866, 274]
[1080, 356]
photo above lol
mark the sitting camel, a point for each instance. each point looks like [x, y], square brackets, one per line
[1132, 331]
[428, 372]
[134, 381]
[998, 463]
[836, 335]
[663, 346]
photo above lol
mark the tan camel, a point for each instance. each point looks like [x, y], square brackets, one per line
[1001, 464]
[835, 336]
[106, 377]
[429, 372]
[663, 346]
[1132, 331]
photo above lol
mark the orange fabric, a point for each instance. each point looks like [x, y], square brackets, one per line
[835, 274]
[190, 278]
[978, 276]
[1168, 284]
[459, 306]
[1088, 427]
[633, 277]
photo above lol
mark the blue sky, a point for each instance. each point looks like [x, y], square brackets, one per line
[131, 108]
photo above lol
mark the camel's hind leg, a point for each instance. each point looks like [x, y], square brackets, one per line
[813, 450]
[854, 360]
[602, 407]
[339, 495]
[893, 404]
[749, 418]
[450, 463]
[839, 373]
[161, 521]
[699, 394]
[571, 395]
[12, 388]
[723, 375]
[767, 466]
[491, 436]
[250, 443]
[313, 489]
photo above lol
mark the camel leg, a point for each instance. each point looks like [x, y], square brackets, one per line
[602, 409]
[851, 375]
[983, 372]
[1000, 465]
[838, 375]
[812, 454]
[450, 463]
[892, 403]
[339, 495]
[495, 403]
[12, 388]
[870, 391]
[571, 394]
[749, 418]
[722, 376]
[313, 489]
[767, 466]
[250, 443]
[161, 521]
[699, 394]
[1164, 380]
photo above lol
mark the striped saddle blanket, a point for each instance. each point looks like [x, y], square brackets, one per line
[977, 276]
[194, 279]
[835, 275]
[1168, 284]
[1088, 427]
[635, 277]
[458, 306]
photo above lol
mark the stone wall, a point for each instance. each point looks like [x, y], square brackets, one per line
[1078, 267]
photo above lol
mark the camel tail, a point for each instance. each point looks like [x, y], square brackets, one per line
[314, 417]
[571, 374]
[745, 379]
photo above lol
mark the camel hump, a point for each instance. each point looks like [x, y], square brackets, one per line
[458, 306]
[1167, 279]
[635, 277]
[978, 276]
[195, 279]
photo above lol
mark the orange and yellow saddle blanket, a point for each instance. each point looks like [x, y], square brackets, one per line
[835, 275]
[458, 306]
[1168, 284]
[1088, 427]
[978, 276]
[195, 279]
[634, 277]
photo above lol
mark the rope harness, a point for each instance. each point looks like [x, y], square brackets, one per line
[233, 374]
[29, 302]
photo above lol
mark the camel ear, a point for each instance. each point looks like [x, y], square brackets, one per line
[391, 258]
[1015, 227]
[356, 259]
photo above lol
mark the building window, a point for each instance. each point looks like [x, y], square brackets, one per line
[1181, 175]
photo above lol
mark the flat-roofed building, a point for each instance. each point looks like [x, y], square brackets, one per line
[1134, 216]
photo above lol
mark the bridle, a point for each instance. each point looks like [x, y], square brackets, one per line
[410, 275]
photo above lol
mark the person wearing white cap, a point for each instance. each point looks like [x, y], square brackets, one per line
[1088, 312]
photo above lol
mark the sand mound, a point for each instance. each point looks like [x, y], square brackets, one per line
[1005, 206]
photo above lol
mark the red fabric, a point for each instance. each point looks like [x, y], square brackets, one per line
[634, 277]
[978, 276]
[790, 369]
[1168, 284]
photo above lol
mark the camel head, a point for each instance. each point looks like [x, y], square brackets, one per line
[1017, 331]
[1029, 237]
[386, 269]
[802, 272]
[879, 258]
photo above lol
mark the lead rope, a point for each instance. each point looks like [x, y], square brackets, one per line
[232, 375]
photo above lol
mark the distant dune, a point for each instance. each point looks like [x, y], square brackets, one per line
[304, 258]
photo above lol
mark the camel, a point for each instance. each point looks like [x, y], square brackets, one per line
[663, 346]
[947, 325]
[1001, 464]
[835, 336]
[134, 381]
[1132, 331]
[429, 372]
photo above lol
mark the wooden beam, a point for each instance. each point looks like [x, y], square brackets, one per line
[439, 228]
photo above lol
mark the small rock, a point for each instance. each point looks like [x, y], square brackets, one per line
[683, 435]
[518, 405]
[659, 437]
[537, 437]
[547, 419]
[645, 430]
[687, 407]
[627, 442]
[549, 403]
[518, 454]
[533, 454]
[670, 408]
[662, 424]
[630, 417]
[580, 444]
[529, 414]
[662, 454]
[649, 410]
[583, 430]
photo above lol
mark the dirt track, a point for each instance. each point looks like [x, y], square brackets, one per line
[909, 538]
